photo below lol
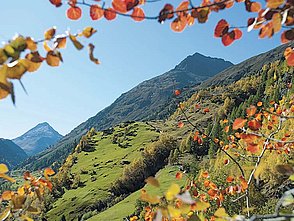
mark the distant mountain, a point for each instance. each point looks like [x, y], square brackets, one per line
[247, 67]
[10, 153]
[38, 139]
[143, 102]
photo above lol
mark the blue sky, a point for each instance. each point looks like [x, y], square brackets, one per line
[129, 52]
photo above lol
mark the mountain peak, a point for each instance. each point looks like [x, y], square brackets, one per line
[38, 138]
[202, 65]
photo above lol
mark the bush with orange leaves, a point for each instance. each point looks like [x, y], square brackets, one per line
[26, 201]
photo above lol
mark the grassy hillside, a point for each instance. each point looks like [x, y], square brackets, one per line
[95, 169]
[126, 207]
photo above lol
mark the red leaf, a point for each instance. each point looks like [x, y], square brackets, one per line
[166, 13]
[119, 5]
[230, 179]
[253, 148]
[180, 124]
[221, 28]
[238, 33]
[206, 110]
[109, 14]
[227, 39]
[138, 14]
[74, 13]
[177, 92]
[239, 123]
[254, 125]
[57, 3]
[96, 12]
[289, 55]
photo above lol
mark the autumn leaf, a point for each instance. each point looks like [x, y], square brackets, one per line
[109, 14]
[3, 171]
[287, 36]
[138, 14]
[239, 123]
[96, 12]
[31, 44]
[119, 5]
[172, 191]
[254, 125]
[88, 32]
[48, 172]
[166, 13]
[53, 59]
[74, 13]
[289, 55]
[91, 55]
[60, 42]
[221, 28]
[16, 69]
[251, 110]
[253, 148]
[177, 92]
[230, 179]
[179, 24]
[180, 124]
[179, 175]
[75, 42]
[274, 3]
[57, 3]
[49, 34]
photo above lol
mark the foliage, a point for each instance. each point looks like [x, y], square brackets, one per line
[27, 200]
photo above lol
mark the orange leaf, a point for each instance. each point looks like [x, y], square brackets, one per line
[74, 13]
[57, 3]
[227, 129]
[226, 161]
[48, 172]
[239, 123]
[138, 14]
[255, 7]
[274, 3]
[109, 14]
[177, 92]
[289, 55]
[206, 110]
[259, 104]
[254, 125]
[96, 12]
[253, 148]
[180, 124]
[230, 179]
[251, 110]
[119, 5]
[212, 192]
[221, 28]
[179, 24]
[6, 195]
[287, 36]
[179, 175]
[205, 174]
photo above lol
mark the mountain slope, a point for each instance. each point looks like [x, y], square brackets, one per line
[247, 67]
[38, 138]
[139, 103]
[10, 153]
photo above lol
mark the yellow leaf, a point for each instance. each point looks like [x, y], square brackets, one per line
[26, 218]
[5, 214]
[52, 59]
[221, 213]
[152, 181]
[148, 198]
[274, 3]
[200, 206]
[88, 32]
[172, 191]
[75, 42]
[31, 44]
[173, 212]
[49, 34]
[3, 56]
[60, 42]
[3, 168]
[46, 46]
[10, 179]
[17, 69]
[19, 43]
[277, 22]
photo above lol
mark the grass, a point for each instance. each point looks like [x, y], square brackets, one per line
[103, 166]
[126, 207]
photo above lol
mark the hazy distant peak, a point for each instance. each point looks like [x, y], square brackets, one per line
[38, 138]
